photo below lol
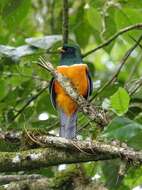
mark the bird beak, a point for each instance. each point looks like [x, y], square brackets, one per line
[61, 50]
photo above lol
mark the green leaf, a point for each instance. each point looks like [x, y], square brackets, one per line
[124, 130]
[46, 123]
[94, 14]
[133, 177]
[138, 118]
[109, 23]
[110, 90]
[83, 29]
[112, 179]
[135, 4]
[44, 104]
[120, 101]
[126, 16]
[13, 12]
[109, 26]
[3, 89]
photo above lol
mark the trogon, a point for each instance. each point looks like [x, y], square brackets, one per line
[71, 66]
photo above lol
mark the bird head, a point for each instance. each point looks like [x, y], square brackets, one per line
[70, 54]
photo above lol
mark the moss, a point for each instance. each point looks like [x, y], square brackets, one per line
[64, 179]
[7, 146]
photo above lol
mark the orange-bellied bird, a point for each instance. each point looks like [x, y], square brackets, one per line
[71, 66]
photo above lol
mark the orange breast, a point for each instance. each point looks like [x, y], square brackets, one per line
[77, 74]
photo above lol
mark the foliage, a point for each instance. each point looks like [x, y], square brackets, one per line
[120, 101]
[32, 28]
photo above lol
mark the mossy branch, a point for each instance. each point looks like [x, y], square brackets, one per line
[70, 178]
[57, 150]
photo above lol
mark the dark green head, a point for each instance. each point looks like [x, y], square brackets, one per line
[70, 54]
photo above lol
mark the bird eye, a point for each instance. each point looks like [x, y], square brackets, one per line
[65, 49]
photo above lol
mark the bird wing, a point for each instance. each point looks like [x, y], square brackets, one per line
[90, 84]
[52, 92]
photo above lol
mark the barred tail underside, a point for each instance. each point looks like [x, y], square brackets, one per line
[68, 125]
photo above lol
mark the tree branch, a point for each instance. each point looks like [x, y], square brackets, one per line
[72, 177]
[93, 113]
[116, 73]
[11, 136]
[65, 22]
[122, 31]
[44, 157]
[65, 151]
[35, 184]
[4, 179]
[28, 103]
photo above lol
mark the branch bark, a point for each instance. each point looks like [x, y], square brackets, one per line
[32, 184]
[4, 179]
[65, 151]
[71, 178]
[92, 147]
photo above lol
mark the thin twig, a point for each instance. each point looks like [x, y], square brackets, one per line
[124, 30]
[134, 69]
[9, 74]
[65, 22]
[135, 41]
[122, 171]
[123, 61]
[30, 136]
[28, 103]
[83, 127]
[136, 65]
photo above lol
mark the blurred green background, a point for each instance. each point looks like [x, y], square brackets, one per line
[24, 96]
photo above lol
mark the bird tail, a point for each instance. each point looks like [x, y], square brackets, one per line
[68, 125]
